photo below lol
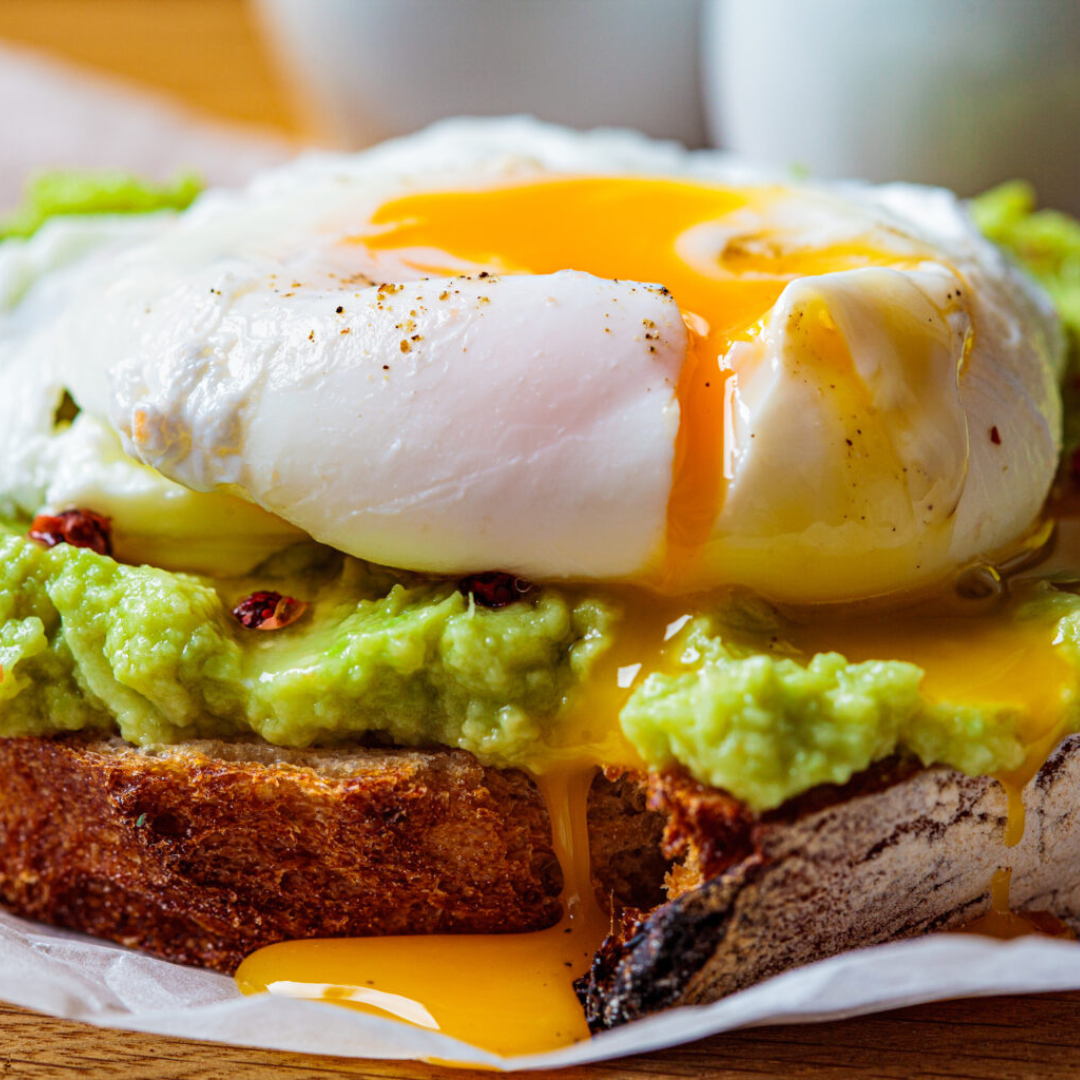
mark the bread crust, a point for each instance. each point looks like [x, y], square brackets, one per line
[204, 852]
[899, 852]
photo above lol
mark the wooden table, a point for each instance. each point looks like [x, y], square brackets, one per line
[207, 52]
[1002, 1038]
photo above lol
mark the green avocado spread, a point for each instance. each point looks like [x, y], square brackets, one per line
[735, 696]
[158, 656]
[87, 642]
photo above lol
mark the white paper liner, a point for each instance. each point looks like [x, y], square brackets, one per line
[75, 977]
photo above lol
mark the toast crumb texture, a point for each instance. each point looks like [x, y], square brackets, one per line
[204, 852]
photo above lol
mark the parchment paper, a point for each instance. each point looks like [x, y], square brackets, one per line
[54, 116]
[73, 976]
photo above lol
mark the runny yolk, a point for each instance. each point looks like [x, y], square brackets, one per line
[513, 994]
[509, 993]
[1005, 924]
[631, 229]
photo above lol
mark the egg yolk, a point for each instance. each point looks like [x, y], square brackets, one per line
[635, 229]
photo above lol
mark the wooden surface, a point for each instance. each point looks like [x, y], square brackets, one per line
[207, 52]
[1002, 1038]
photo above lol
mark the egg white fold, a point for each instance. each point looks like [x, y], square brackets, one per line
[443, 425]
[846, 432]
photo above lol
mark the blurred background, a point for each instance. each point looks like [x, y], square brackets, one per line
[206, 53]
[964, 93]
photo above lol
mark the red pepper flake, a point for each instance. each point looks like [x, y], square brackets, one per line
[495, 588]
[995, 436]
[266, 610]
[79, 528]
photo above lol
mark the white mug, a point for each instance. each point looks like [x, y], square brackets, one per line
[963, 93]
[376, 68]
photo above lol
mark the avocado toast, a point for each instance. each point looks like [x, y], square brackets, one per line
[227, 728]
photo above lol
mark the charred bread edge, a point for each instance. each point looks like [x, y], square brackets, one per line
[899, 853]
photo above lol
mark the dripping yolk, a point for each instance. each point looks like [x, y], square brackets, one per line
[642, 230]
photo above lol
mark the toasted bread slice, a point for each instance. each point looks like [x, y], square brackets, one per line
[202, 853]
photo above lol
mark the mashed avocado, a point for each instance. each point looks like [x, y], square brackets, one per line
[87, 642]
[742, 716]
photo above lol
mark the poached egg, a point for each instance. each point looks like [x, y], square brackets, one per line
[577, 357]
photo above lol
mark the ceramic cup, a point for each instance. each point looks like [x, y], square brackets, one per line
[963, 93]
[370, 69]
